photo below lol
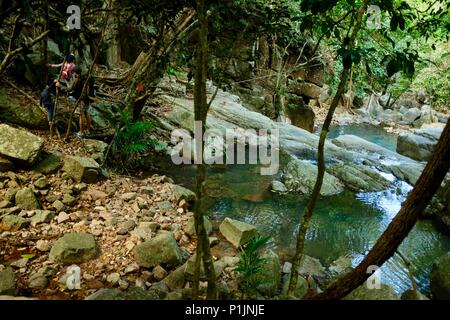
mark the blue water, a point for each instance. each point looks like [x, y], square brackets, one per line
[375, 134]
[342, 225]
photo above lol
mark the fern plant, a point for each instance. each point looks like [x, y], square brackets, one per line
[131, 141]
[251, 264]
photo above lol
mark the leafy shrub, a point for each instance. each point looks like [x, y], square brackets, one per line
[251, 264]
[131, 141]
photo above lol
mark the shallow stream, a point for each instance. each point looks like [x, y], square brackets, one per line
[344, 225]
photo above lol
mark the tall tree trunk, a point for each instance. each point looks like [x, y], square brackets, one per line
[200, 114]
[112, 37]
[320, 159]
[416, 202]
[45, 46]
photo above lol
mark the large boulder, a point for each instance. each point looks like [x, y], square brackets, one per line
[385, 292]
[270, 276]
[74, 248]
[301, 116]
[27, 115]
[25, 199]
[300, 176]
[359, 178]
[160, 250]
[420, 144]
[81, 169]
[7, 282]
[237, 232]
[411, 115]
[440, 278]
[19, 145]
[427, 116]
[305, 88]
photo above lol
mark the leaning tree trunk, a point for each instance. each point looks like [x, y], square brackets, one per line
[321, 161]
[150, 66]
[416, 202]
[200, 114]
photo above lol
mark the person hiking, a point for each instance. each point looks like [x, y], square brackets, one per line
[47, 101]
[69, 65]
[74, 90]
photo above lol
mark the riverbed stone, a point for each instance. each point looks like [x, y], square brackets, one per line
[190, 226]
[278, 186]
[359, 178]
[74, 248]
[182, 193]
[440, 278]
[81, 169]
[7, 282]
[176, 279]
[237, 232]
[300, 289]
[300, 176]
[50, 164]
[162, 249]
[19, 145]
[270, 276]
[41, 183]
[12, 223]
[69, 199]
[25, 199]
[420, 144]
[385, 292]
[42, 216]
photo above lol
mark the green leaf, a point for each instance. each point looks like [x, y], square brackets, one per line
[28, 255]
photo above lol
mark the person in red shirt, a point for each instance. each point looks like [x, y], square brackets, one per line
[69, 65]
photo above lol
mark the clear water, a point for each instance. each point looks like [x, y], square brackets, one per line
[341, 225]
[375, 134]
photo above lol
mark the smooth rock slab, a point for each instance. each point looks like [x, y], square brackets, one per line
[237, 232]
[162, 249]
[300, 177]
[74, 248]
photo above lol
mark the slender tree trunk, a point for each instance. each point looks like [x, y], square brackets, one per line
[418, 199]
[45, 46]
[321, 162]
[112, 36]
[200, 114]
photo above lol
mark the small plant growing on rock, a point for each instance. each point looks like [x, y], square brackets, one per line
[251, 264]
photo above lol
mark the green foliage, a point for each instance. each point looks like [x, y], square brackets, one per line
[131, 141]
[251, 264]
